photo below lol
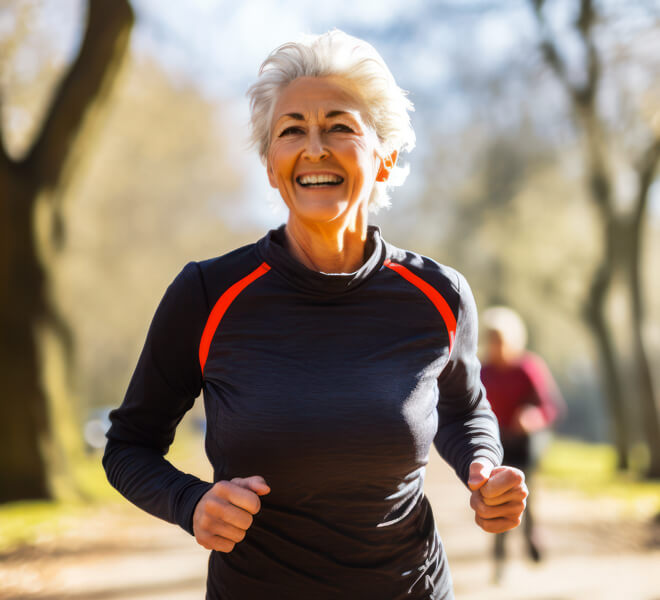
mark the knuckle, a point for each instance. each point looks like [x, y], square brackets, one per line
[222, 487]
[215, 509]
[205, 520]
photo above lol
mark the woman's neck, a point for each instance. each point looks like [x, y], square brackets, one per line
[327, 248]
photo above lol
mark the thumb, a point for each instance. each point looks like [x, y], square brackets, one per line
[479, 474]
[256, 484]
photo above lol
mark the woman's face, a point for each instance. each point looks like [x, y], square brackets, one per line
[323, 157]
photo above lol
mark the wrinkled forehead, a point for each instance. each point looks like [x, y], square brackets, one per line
[315, 97]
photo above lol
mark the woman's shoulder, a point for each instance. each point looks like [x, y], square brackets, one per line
[205, 280]
[237, 259]
[426, 268]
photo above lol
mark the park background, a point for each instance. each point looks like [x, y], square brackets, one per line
[124, 155]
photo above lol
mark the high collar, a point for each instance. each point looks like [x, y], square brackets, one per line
[272, 249]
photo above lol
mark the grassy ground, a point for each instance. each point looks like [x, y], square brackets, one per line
[591, 469]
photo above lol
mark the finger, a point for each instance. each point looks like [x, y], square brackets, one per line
[499, 525]
[513, 495]
[510, 509]
[228, 531]
[480, 471]
[501, 481]
[256, 483]
[238, 496]
[214, 542]
[222, 510]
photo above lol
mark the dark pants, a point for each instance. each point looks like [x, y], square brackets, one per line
[522, 452]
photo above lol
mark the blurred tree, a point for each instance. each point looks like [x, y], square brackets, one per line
[25, 304]
[160, 188]
[622, 228]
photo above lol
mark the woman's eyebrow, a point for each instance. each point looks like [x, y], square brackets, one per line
[299, 117]
[336, 113]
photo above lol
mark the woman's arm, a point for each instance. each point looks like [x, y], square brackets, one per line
[467, 427]
[468, 433]
[164, 386]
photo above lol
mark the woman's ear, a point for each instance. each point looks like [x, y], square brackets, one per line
[386, 165]
[271, 175]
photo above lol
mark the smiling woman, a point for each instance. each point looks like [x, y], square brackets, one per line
[359, 70]
[330, 363]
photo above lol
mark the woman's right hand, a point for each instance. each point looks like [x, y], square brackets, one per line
[224, 513]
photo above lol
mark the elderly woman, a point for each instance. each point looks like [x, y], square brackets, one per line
[329, 360]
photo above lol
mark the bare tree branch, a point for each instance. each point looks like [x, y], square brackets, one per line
[587, 93]
[106, 38]
[583, 97]
[549, 48]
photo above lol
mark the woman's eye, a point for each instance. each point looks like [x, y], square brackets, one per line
[341, 127]
[290, 130]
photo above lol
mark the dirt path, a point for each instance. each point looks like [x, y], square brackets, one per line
[594, 552]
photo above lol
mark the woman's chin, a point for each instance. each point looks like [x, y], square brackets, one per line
[320, 211]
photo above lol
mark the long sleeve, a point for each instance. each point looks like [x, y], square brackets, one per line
[545, 392]
[467, 427]
[166, 381]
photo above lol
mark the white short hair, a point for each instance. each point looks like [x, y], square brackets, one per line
[508, 324]
[338, 54]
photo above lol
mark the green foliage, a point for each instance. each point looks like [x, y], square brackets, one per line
[591, 469]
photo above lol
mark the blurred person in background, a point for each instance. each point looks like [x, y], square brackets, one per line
[330, 362]
[526, 400]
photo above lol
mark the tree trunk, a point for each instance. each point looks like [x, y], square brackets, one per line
[600, 188]
[647, 398]
[23, 408]
[594, 314]
[25, 436]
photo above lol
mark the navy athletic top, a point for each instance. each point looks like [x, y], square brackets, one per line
[330, 386]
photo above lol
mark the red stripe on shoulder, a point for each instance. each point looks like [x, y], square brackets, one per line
[432, 294]
[221, 307]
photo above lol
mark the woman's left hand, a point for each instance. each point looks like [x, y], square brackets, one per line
[498, 496]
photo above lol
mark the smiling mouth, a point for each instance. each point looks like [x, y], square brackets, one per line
[319, 180]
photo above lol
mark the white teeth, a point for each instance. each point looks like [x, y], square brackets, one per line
[319, 179]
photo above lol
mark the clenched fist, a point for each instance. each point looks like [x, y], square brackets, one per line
[224, 513]
[498, 496]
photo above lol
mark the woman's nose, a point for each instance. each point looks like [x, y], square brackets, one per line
[315, 149]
